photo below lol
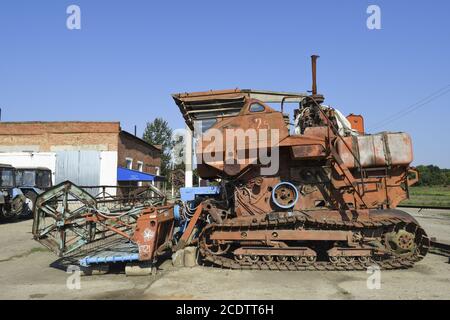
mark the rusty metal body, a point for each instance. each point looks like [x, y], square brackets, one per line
[71, 222]
[329, 205]
[325, 200]
[314, 160]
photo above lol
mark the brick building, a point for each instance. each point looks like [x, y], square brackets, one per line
[87, 153]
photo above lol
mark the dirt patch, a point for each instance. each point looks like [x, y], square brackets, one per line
[26, 254]
[28, 272]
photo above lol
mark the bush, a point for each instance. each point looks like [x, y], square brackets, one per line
[433, 176]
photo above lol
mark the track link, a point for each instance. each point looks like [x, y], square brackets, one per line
[294, 220]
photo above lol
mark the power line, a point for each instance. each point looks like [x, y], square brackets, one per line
[422, 102]
[414, 109]
[411, 106]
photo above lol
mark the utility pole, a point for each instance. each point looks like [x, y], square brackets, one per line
[188, 177]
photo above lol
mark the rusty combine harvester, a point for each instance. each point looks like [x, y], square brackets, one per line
[329, 205]
[326, 200]
[100, 231]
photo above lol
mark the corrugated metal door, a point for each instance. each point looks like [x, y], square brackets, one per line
[80, 167]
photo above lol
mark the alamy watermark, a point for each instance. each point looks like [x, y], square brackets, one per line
[241, 147]
[374, 280]
[73, 21]
[73, 281]
[231, 147]
[374, 20]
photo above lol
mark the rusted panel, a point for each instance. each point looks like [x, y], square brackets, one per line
[400, 148]
[282, 235]
[316, 132]
[357, 122]
[350, 252]
[376, 150]
[154, 228]
[290, 251]
[308, 152]
[241, 139]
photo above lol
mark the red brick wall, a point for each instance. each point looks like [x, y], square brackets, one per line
[102, 136]
[134, 148]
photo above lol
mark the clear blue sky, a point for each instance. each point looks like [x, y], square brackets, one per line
[130, 56]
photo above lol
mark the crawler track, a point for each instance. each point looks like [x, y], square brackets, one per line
[300, 220]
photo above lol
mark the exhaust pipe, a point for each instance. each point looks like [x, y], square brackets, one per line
[314, 72]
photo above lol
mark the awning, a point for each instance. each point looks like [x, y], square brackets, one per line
[215, 104]
[124, 174]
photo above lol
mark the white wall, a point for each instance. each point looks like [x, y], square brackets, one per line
[108, 169]
[30, 159]
[108, 164]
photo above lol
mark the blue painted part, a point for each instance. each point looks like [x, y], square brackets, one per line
[176, 212]
[188, 194]
[38, 191]
[16, 192]
[275, 200]
[87, 261]
[124, 174]
[185, 225]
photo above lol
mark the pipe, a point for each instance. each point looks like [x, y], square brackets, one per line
[314, 71]
[87, 261]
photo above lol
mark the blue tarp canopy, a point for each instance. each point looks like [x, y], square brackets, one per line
[133, 175]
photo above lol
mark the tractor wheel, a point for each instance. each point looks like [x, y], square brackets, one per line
[28, 207]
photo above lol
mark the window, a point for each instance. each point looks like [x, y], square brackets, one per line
[204, 125]
[6, 177]
[44, 179]
[26, 178]
[129, 163]
[140, 169]
[256, 107]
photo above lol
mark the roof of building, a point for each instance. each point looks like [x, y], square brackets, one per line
[155, 146]
[212, 104]
[39, 127]
[124, 174]
[33, 168]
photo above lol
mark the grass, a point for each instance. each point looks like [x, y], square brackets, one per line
[435, 196]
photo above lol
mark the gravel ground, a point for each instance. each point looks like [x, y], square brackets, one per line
[27, 272]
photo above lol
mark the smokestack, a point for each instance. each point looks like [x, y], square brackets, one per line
[135, 131]
[314, 72]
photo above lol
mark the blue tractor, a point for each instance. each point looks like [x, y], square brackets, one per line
[32, 181]
[12, 200]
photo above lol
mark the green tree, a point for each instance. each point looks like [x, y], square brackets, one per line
[158, 132]
[447, 177]
[178, 150]
[433, 176]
